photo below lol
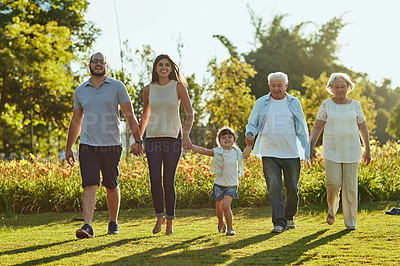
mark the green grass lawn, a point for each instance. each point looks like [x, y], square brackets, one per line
[49, 238]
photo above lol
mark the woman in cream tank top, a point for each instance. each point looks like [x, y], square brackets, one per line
[343, 122]
[164, 120]
[164, 135]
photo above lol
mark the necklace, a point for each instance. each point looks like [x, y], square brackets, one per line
[344, 101]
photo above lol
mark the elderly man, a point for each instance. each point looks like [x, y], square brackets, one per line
[96, 115]
[278, 121]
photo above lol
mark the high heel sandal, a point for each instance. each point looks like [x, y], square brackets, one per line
[157, 229]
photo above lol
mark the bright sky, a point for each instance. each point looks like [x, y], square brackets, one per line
[370, 42]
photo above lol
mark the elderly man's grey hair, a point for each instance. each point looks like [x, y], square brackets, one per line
[350, 84]
[278, 76]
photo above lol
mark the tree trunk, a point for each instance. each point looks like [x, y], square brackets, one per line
[31, 125]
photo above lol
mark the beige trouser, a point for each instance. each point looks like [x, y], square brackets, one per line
[342, 176]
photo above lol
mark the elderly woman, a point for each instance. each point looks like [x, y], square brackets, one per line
[343, 120]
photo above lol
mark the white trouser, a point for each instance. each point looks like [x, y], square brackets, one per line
[342, 176]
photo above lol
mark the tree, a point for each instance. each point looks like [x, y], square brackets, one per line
[385, 99]
[196, 94]
[393, 125]
[313, 97]
[142, 69]
[125, 77]
[67, 13]
[39, 40]
[35, 82]
[288, 49]
[278, 48]
[229, 99]
[228, 45]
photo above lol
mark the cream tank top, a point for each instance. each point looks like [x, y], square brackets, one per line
[164, 119]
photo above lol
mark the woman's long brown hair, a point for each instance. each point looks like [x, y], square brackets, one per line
[175, 73]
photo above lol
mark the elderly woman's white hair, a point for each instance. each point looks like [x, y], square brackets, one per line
[350, 84]
[278, 76]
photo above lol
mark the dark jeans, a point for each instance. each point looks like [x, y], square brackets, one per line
[273, 167]
[163, 153]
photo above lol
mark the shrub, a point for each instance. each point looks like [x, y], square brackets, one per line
[34, 185]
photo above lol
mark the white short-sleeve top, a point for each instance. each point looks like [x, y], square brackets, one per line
[341, 140]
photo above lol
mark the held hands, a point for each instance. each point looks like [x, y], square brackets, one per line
[186, 142]
[313, 154]
[137, 149]
[249, 140]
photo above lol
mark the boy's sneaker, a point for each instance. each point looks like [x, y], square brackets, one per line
[278, 229]
[113, 228]
[85, 232]
[291, 224]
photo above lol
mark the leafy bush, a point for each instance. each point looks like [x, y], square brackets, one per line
[34, 185]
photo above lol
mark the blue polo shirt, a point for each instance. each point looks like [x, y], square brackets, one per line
[101, 119]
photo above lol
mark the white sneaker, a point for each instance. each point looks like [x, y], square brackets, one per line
[278, 229]
[291, 224]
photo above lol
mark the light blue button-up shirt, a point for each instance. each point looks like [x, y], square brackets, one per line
[257, 120]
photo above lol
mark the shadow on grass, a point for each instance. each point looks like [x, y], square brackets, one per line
[217, 254]
[76, 253]
[212, 255]
[266, 211]
[291, 253]
[33, 248]
[23, 220]
[18, 221]
[315, 209]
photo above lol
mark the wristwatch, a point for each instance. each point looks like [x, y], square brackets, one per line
[139, 141]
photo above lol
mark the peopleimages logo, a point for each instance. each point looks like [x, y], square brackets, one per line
[105, 123]
[163, 123]
[164, 146]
